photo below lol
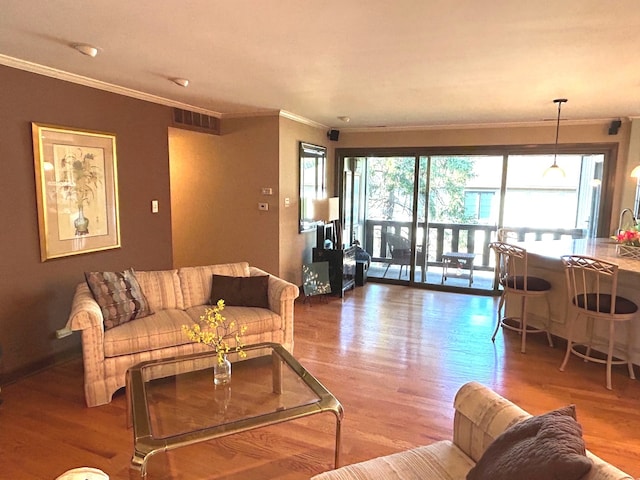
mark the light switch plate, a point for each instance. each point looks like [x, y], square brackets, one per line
[154, 206]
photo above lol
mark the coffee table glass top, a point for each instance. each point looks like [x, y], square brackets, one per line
[174, 402]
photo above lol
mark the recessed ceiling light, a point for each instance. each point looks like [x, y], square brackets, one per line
[88, 50]
[183, 82]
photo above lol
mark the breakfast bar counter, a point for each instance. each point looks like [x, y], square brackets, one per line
[545, 262]
[602, 248]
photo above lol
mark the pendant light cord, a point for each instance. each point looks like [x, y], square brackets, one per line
[559, 101]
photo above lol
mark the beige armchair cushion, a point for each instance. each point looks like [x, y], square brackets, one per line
[162, 289]
[440, 460]
[163, 329]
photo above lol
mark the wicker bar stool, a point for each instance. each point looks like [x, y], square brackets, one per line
[512, 273]
[592, 292]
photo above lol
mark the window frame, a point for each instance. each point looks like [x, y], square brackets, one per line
[313, 188]
[608, 150]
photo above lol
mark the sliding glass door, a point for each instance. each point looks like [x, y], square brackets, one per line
[427, 218]
[388, 232]
[541, 207]
[463, 213]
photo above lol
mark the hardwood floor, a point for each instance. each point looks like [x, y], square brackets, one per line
[392, 355]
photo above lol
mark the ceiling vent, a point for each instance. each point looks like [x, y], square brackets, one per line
[196, 121]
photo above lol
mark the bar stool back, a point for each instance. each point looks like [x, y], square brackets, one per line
[592, 292]
[512, 273]
[507, 235]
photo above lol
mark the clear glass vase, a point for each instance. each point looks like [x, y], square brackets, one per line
[222, 371]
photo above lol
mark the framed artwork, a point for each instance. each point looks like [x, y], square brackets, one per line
[76, 189]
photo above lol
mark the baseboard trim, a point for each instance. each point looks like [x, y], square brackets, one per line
[33, 368]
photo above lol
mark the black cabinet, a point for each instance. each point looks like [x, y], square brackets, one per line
[342, 267]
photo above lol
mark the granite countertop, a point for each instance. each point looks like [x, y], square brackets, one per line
[602, 248]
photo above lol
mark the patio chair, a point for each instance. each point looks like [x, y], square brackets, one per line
[401, 254]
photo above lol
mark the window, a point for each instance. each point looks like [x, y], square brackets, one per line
[477, 205]
[454, 199]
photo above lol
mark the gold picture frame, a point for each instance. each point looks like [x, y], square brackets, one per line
[76, 191]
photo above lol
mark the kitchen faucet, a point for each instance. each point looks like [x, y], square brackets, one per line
[633, 219]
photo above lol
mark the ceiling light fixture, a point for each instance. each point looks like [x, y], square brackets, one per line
[554, 170]
[88, 50]
[344, 119]
[183, 82]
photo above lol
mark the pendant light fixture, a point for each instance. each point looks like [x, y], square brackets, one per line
[554, 171]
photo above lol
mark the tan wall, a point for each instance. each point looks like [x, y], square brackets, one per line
[192, 161]
[216, 184]
[596, 132]
[217, 181]
[295, 248]
[35, 297]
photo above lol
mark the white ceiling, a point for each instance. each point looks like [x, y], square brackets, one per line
[381, 62]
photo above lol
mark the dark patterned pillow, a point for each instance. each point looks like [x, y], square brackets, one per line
[543, 447]
[241, 291]
[119, 295]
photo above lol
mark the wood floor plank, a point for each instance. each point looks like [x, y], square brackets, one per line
[394, 356]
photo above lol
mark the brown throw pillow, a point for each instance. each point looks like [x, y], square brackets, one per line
[544, 447]
[241, 291]
[119, 295]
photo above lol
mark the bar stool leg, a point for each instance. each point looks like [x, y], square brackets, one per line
[610, 352]
[523, 325]
[548, 323]
[630, 332]
[571, 325]
[590, 335]
[500, 307]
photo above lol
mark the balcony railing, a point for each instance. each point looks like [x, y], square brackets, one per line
[452, 237]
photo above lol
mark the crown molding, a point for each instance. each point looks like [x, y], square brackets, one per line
[300, 119]
[99, 85]
[280, 113]
[250, 114]
[469, 126]
[128, 92]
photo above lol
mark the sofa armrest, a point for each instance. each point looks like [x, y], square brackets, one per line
[85, 311]
[281, 292]
[282, 295]
[481, 415]
[86, 316]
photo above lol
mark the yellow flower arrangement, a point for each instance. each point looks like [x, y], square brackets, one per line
[217, 332]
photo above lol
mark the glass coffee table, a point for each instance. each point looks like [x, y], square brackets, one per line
[173, 402]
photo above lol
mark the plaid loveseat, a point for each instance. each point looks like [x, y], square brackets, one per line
[176, 297]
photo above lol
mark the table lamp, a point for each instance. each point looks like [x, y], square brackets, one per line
[326, 211]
